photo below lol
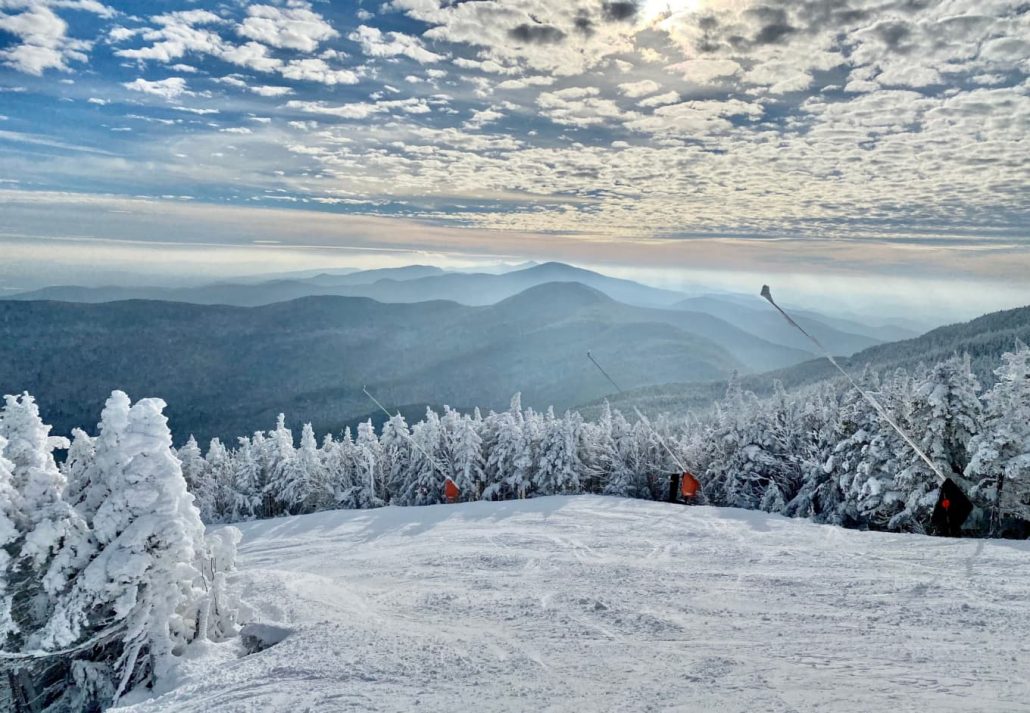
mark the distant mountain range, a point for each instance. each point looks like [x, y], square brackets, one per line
[416, 283]
[420, 283]
[228, 370]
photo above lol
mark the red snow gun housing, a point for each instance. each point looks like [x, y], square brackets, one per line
[951, 510]
[451, 492]
[689, 486]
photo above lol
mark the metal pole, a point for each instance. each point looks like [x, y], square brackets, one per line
[767, 294]
[411, 440]
[641, 416]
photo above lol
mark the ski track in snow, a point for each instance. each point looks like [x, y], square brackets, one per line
[589, 603]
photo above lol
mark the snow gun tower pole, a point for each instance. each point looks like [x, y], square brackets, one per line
[411, 440]
[643, 419]
[953, 507]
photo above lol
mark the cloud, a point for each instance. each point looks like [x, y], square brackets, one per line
[639, 89]
[484, 116]
[836, 121]
[695, 118]
[252, 55]
[376, 43]
[317, 70]
[169, 88]
[538, 34]
[619, 10]
[296, 27]
[178, 33]
[705, 71]
[268, 91]
[660, 99]
[43, 42]
[580, 107]
[538, 80]
[93, 6]
[360, 110]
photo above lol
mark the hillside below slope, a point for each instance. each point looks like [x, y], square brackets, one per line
[603, 604]
[984, 339]
[227, 371]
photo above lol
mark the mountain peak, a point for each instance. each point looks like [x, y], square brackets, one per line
[557, 295]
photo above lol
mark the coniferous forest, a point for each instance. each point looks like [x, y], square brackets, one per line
[822, 452]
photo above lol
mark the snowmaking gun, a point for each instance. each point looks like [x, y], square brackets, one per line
[452, 493]
[953, 506]
[683, 486]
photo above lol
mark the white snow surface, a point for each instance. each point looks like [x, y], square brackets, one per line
[590, 603]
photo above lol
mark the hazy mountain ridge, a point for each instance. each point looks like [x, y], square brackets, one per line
[764, 322]
[419, 283]
[228, 370]
[984, 339]
[415, 283]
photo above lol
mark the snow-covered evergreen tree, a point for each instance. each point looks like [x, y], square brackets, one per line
[945, 414]
[88, 491]
[627, 477]
[248, 482]
[217, 499]
[301, 482]
[999, 466]
[426, 478]
[463, 452]
[559, 468]
[135, 602]
[194, 467]
[54, 540]
[77, 466]
[10, 508]
[286, 488]
[367, 488]
[395, 445]
[505, 445]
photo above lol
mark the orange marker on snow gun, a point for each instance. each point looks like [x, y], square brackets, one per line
[451, 492]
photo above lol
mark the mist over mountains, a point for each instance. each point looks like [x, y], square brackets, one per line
[984, 339]
[229, 357]
[226, 370]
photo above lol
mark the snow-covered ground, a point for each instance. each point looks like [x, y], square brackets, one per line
[601, 604]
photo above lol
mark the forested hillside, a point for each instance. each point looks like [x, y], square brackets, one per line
[984, 339]
[229, 370]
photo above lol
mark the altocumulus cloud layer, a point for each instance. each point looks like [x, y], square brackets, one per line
[871, 133]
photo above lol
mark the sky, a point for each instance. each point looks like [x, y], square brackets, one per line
[866, 150]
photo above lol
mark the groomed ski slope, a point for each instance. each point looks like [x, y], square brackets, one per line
[602, 604]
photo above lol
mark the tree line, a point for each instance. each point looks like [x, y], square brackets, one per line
[822, 452]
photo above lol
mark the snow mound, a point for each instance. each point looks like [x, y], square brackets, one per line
[604, 604]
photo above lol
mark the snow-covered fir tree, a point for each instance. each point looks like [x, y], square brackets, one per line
[426, 478]
[999, 465]
[54, 540]
[463, 452]
[944, 414]
[10, 507]
[559, 467]
[194, 466]
[396, 454]
[217, 499]
[303, 486]
[136, 603]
